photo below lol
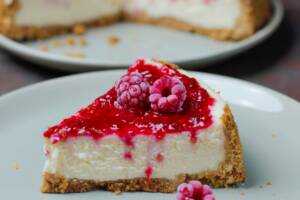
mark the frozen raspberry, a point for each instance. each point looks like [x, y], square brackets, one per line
[194, 190]
[185, 191]
[132, 90]
[167, 94]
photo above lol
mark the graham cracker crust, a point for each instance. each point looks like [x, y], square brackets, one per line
[230, 172]
[255, 14]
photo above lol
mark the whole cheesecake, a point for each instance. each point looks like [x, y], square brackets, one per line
[155, 129]
[219, 19]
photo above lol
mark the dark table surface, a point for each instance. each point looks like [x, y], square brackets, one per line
[275, 63]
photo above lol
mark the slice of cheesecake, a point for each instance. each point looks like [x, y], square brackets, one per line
[219, 19]
[157, 128]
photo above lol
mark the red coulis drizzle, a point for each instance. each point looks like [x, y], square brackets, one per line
[128, 156]
[148, 173]
[159, 157]
[101, 118]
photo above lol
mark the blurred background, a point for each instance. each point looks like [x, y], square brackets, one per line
[275, 63]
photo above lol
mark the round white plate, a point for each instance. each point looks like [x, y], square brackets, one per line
[268, 123]
[136, 41]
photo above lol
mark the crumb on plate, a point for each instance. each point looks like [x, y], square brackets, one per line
[16, 166]
[75, 55]
[70, 41]
[268, 183]
[113, 40]
[117, 192]
[57, 44]
[79, 29]
[44, 49]
[83, 42]
[274, 135]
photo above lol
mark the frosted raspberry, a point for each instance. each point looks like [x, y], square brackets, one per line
[167, 94]
[185, 191]
[132, 91]
[194, 190]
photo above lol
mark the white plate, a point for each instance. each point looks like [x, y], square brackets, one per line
[268, 123]
[137, 41]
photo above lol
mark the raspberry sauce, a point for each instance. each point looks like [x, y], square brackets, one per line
[102, 118]
[148, 174]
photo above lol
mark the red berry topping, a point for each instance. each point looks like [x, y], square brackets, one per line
[167, 94]
[194, 190]
[132, 91]
[102, 118]
[185, 191]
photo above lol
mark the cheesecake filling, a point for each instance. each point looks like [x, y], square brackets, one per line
[64, 12]
[221, 14]
[108, 160]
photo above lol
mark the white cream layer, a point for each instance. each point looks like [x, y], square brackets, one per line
[213, 14]
[82, 158]
[64, 12]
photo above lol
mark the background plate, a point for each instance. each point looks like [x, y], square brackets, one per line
[268, 123]
[136, 41]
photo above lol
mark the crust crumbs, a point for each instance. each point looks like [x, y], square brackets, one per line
[71, 41]
[113, 40]
[83, 42]
[16, 166]
[79, 29]
[44, 49]
[231, 172]
[75, 55]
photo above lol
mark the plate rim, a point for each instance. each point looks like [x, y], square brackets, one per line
[76, 65]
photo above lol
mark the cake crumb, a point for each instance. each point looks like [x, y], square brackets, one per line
[16, 166]
[83, 42]
[113, 40]
[79, 29]
[118, 192]
[268, 183]
[75, 55]
[242, 193]
[274, 194]
[70, 41]
[44, 49]
[57, 44]
[5, 23]
[274, 135]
